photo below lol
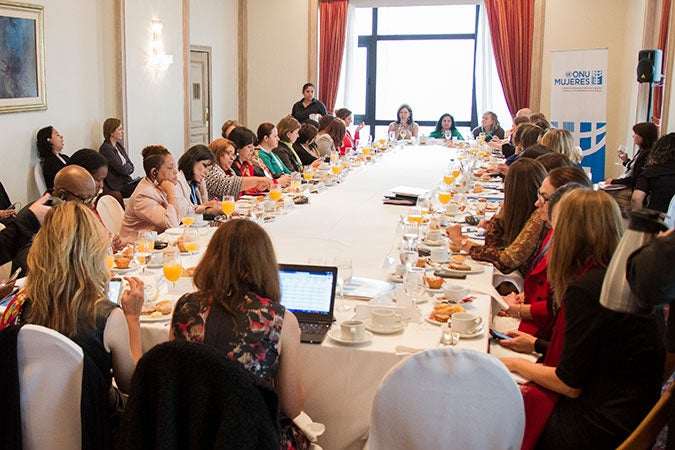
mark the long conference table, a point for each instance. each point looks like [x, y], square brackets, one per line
[350, 219]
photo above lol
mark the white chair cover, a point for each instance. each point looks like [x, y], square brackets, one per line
[5, 269]
[515, 277]
[39, 179]
[447, 399]
[111, 213]
[50, 383]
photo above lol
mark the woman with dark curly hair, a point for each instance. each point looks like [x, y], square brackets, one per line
[657, 182]
[645, 135]
[444, 124]
[404, 126]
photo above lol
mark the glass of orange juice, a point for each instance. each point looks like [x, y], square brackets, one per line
[191, 240]
[227, 205]
[188, 220]
[109, 258]
[448, 178]
[444, 196]
[275, 192]
[172, 266]
[337, 169]
[415, 214]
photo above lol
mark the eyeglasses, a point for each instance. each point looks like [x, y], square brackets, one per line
[542, 197]
[86, 199]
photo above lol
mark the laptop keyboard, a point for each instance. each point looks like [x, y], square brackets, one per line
[313, 331]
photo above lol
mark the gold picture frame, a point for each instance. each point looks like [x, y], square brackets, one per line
[22, 57]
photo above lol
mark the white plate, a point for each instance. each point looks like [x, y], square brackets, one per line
[441, 299]
[369, 326]
[434, 291]
[335, 333]
[475, 268]
[395, 278]
[434, 322]
[478, 235]
[163, 318]
[132, 266]
[200, 224]
[175, 231]
[433, 243]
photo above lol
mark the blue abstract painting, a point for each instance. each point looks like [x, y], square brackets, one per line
[18, 58]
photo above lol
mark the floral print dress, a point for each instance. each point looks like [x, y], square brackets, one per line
[254, 340]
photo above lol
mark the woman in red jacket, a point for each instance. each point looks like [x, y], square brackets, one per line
[533, 305]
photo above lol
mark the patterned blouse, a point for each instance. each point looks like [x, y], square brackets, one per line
[520, 254]
[255, 334]
[220, 184]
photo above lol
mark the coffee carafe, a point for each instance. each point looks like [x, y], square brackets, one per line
[616, 294]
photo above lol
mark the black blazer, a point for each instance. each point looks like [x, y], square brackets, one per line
[119, 170]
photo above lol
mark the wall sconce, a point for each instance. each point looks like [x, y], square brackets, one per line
[159, 61]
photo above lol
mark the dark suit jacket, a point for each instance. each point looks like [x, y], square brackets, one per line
[119, 170]
[287, 157]
[50, 166]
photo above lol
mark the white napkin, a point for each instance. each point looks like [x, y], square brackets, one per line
[312, 430]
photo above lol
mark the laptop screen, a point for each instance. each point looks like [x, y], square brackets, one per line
[308, 289]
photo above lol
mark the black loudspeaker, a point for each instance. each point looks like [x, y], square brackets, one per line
[649, 66]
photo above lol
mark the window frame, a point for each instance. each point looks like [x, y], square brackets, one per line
[369, 42]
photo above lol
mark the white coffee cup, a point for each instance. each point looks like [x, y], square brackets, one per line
[269, 205]
[199, 219]
[452, 208]
[455, 293]
[466, 323]
[439, 254]
[434, 235]
[385, 319]
[353, 330]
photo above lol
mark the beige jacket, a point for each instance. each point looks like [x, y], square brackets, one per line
[147, 210]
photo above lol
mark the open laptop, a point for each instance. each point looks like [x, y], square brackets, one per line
[309, 292]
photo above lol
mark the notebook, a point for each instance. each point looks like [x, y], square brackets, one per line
[309, 292]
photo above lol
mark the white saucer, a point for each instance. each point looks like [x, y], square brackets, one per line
[395, 278]
[434, 322]
[441, 299]
[369, 326]
[175, 231]
[132, 266]
[335, 333]
[433, 243]
[478, 332]
[163, 318]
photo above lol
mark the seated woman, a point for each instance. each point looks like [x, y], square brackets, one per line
[304, 145]
[247, 164]
[349, 141]
[446, 124]
[228, 126]
[154, 205]
[49, 146]
[236, 309]
[327, 140]
[645, 135]
[288, 129]
[308, 107]
[66, 290]
[193, 166]
[7, 209]
[562, 141]
[514, 235]
[534, 306]
[602, 372]
[118, 183]
[657, 182]
[268, 139]
[222, 180]
[94, 163]
[489, 125]
[404, 126]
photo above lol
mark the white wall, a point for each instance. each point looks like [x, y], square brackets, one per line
[612, 24]
[154, 100]
[277, 58]
[76, 99]
[213, 23]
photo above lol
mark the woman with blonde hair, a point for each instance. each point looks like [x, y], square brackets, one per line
[602, 371]
[66, 290]
[236, 309]
[562, 141]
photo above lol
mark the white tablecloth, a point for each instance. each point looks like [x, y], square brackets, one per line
[350, 220]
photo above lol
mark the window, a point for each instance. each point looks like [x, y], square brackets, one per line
[424, 56]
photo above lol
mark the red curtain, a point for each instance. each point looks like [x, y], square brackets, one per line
[663, 39]
[511, 24]
[333, 23]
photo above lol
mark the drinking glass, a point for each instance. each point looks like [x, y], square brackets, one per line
[408, 256]
[307, 175]
[413, 283]
[345, 272]
[142, 249]
[172, 266]
[227, 206]
[444, 196]
[109, 258]
[415, 214]
[411, 232]
[191, 240]
[621, 150]
[449, 177]
[296, 181]
[423, 203]
[392, 136]
[275, 192]
[403, 134]
[448, 134]
[188, 220]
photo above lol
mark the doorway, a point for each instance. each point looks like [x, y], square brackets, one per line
[199, 95]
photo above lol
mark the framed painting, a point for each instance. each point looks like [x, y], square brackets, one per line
[22, 57]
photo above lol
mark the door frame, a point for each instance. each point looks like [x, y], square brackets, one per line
[188, 89]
